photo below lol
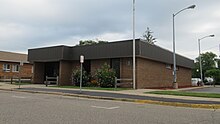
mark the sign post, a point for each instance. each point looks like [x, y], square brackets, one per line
[81, 62]
[21, 64]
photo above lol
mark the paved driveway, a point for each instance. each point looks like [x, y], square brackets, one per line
[207, 90]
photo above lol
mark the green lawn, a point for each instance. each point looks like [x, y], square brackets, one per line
[93, 88]
[185, 93]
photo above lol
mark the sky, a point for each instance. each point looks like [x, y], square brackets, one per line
[26, 24]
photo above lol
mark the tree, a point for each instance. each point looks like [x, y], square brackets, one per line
[215, 74]
[195, 70]
[208, 63]
[148, 37]
[90, 42]
[86, 42]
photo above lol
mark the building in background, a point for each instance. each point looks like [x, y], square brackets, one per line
[10, 66]
[153, 63]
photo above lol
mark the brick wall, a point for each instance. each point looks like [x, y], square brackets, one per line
[96, 64]
[149, 74]
[26, 70]
[38, 77]
[152, 74]
[66, 68]
[126, 68]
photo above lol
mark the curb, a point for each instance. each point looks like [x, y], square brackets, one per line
[176, 104]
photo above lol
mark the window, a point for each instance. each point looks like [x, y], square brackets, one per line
[177, 68]
[15, 68]
[115, 64]
[6, 67]
[168, 66]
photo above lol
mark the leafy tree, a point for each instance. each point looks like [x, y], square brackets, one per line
[90, 42]
[148, 37]
[195, 70]
[86, 42]
[214, 73]
[208, 63]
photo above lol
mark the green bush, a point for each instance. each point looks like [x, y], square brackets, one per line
[105, 76]
[76, 77]
[93, 83]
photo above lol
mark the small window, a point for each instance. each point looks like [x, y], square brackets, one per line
[129, 62]
[15, 68]
[6, 67]
[168, 66]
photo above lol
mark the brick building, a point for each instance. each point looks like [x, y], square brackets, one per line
[153, 63]
[10, 66]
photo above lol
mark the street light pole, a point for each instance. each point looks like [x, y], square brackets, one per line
[175, 85]
[200, 61]
[200, 58]
[134, 63]
[174, 56]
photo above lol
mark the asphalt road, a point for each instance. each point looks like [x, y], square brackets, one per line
[118, 95]
[207, 90]
[27, 108]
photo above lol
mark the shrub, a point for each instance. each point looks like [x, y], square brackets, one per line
[76, 77]
[93, 83]
[105, 76]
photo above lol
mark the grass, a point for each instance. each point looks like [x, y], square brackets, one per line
[185, 93]
[93, 88]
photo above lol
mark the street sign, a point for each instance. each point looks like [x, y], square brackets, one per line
[81, 59]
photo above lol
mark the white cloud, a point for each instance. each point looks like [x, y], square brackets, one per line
[36, 23]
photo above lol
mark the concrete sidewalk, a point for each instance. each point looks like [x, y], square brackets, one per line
[124, 94]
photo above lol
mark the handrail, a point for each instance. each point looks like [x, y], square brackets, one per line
[54, 78]
[122, 79]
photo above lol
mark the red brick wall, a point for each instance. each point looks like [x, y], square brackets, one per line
[26, 70]
[149, 74]
[65, 73]
[152, 74]
[126, 68]
[38, 77]
[96, 64]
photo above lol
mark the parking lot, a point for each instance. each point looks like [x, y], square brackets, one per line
[207, 89]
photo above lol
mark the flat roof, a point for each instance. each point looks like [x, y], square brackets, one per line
[118, 49]
[13, 57]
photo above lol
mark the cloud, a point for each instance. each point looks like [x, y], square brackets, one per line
[37, 23]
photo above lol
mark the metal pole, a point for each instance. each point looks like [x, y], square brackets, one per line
[115, 83]
[134, 63]
[81, 79]
[175, 85]
[200, 62]
[20, 75]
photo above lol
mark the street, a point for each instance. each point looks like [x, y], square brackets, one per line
[27, 108]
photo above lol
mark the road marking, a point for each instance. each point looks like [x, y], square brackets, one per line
[20, 97]
[108, 108]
